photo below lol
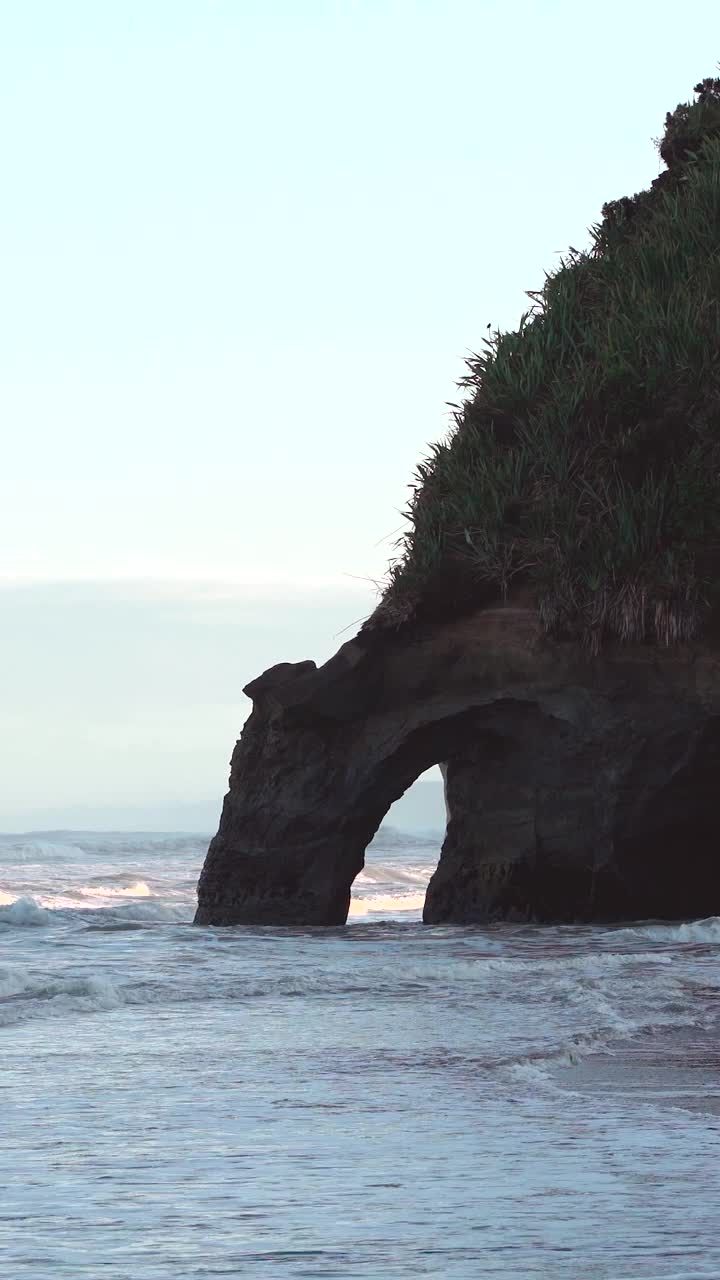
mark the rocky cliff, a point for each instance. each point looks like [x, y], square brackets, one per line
[546, 628]
[579, 788]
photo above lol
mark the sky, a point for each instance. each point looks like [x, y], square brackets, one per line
[246, 247]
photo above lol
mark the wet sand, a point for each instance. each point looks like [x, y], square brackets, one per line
[678, 1068]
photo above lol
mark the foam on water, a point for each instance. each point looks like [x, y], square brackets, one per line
[386, 904]
[138, 889]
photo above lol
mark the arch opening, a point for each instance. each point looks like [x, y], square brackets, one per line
[492, 760]
[403, 854]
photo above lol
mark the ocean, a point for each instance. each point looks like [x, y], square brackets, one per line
[380, 1101]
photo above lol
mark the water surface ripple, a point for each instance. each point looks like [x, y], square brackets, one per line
[380, 1101]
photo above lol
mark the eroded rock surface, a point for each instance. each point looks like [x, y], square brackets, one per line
[612, 820]
[578, 789]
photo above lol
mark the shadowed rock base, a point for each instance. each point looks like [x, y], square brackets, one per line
[549, 824]
[577, 789]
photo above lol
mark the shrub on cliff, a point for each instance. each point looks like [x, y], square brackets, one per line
[584, 463]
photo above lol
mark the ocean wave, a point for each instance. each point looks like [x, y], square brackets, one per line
[610, 1037]
[388, 837]
[24, 996]
[692, 931]
[147, 912]
[388, 903]
[597, 1012]
[21, 849]
[61, 894]
[23, 913]
[138, 889]
[394, 873]
[567, 969]
[26, 912]
[73, 846]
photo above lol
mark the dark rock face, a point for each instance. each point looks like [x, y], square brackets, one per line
[577, 789]
[612, 821]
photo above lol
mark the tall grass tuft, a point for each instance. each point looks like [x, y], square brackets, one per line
[584, 461]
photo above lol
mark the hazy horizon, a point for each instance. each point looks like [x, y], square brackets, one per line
[184, 649]
[421, 809]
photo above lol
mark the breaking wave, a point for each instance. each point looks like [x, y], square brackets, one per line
[21, 913]
[24, 995]
[387, 903]
[690, 931]
[139, 889]
[26, 912]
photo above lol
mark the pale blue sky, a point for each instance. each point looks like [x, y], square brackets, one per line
[246, 246]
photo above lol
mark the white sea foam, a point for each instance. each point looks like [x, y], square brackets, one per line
[139, 889]
[386, 903]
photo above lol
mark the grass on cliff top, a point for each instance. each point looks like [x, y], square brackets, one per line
[584, 463]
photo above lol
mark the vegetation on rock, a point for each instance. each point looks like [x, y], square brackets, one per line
[584, 462]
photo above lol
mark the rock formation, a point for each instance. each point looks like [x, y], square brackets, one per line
[578, 788]
[579, 724]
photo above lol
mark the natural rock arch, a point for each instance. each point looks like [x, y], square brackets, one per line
[557, 769]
